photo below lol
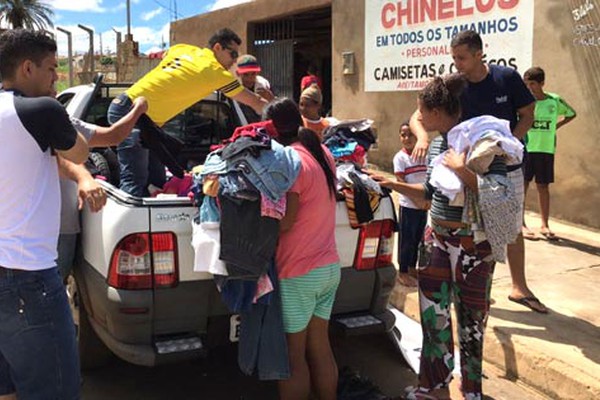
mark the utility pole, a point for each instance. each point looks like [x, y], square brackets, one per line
[90, 32]
[100, 34]
[129, 20]
[118, 33]
[118, 58]
[70, 53]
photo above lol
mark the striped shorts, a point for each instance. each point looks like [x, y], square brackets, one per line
[305, 296]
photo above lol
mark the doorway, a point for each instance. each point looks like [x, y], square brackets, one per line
[286, 47]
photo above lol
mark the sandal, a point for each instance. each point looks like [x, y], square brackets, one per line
[529, 234]
[421, 394]
[530, 302]
[548, 234]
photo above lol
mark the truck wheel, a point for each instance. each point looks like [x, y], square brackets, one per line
[92, 352]
[97, 165]
[113, 165]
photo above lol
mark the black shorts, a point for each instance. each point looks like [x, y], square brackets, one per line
[540, 165]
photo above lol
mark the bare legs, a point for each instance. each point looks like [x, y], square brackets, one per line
[543, 190]
[311, 362]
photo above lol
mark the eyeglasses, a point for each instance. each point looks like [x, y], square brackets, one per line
[233, 53]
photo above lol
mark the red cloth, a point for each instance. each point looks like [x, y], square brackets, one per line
[358, 156]
[248, 130]
[308, 80]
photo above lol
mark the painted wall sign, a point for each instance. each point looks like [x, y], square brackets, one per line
[407, 42]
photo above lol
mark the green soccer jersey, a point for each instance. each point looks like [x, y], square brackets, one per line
[541, 138]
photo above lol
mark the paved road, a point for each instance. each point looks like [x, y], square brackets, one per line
[218, 377]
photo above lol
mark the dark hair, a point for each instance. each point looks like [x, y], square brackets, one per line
[312, 69]
[444, 93]
[535, 74]
[18, 45]
[224, 37]
[469, 38]
[287, 120]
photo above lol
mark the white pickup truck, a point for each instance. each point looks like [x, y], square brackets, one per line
[134, 292]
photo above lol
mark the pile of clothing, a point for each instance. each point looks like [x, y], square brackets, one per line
[350, 140]
[240, 191]
[361, 193]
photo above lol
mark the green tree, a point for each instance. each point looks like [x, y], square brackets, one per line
[27, 14]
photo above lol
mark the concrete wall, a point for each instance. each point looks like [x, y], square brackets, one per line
[572, 71]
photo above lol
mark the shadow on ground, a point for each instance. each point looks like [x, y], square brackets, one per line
[547, 328]
[573, 244]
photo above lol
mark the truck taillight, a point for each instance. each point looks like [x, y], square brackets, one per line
[132, 261]
[375, 245]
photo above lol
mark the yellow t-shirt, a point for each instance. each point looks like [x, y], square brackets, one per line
[186, 75]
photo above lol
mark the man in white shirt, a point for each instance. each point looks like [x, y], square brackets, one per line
[38, 348]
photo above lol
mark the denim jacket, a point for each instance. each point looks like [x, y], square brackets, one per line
[272, 172]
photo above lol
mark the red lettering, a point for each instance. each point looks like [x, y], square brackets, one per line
[483, 6]
[429, 8]
[387, 21]
[446, 9]
[460, 11]
[418, 11]
[404, 13]
[415, 7]
[507, 4]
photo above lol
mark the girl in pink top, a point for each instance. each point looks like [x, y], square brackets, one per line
[307, 259]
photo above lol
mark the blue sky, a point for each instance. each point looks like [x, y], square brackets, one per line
[149, 20]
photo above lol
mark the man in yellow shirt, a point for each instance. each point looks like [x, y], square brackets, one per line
[186, 75]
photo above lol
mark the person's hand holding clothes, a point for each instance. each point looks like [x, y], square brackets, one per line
[383, 180]
[457, 162]
[140, 105]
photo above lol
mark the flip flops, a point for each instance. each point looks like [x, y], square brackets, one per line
[529, 234]
[530, 302]
[548, 234]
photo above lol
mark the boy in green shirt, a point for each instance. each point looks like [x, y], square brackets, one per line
[551, 113]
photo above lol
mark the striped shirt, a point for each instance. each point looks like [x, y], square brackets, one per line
[440, 205]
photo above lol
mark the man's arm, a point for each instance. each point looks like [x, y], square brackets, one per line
[115, 134]
[525, 120]
[88, 190]
[251, 99]
[78, 153]
[422, 145]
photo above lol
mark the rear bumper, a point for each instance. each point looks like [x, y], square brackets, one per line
[131, 323]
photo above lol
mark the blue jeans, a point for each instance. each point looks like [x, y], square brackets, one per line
[263, 344]
[38, 348]
[412, 226]
[138, 167]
